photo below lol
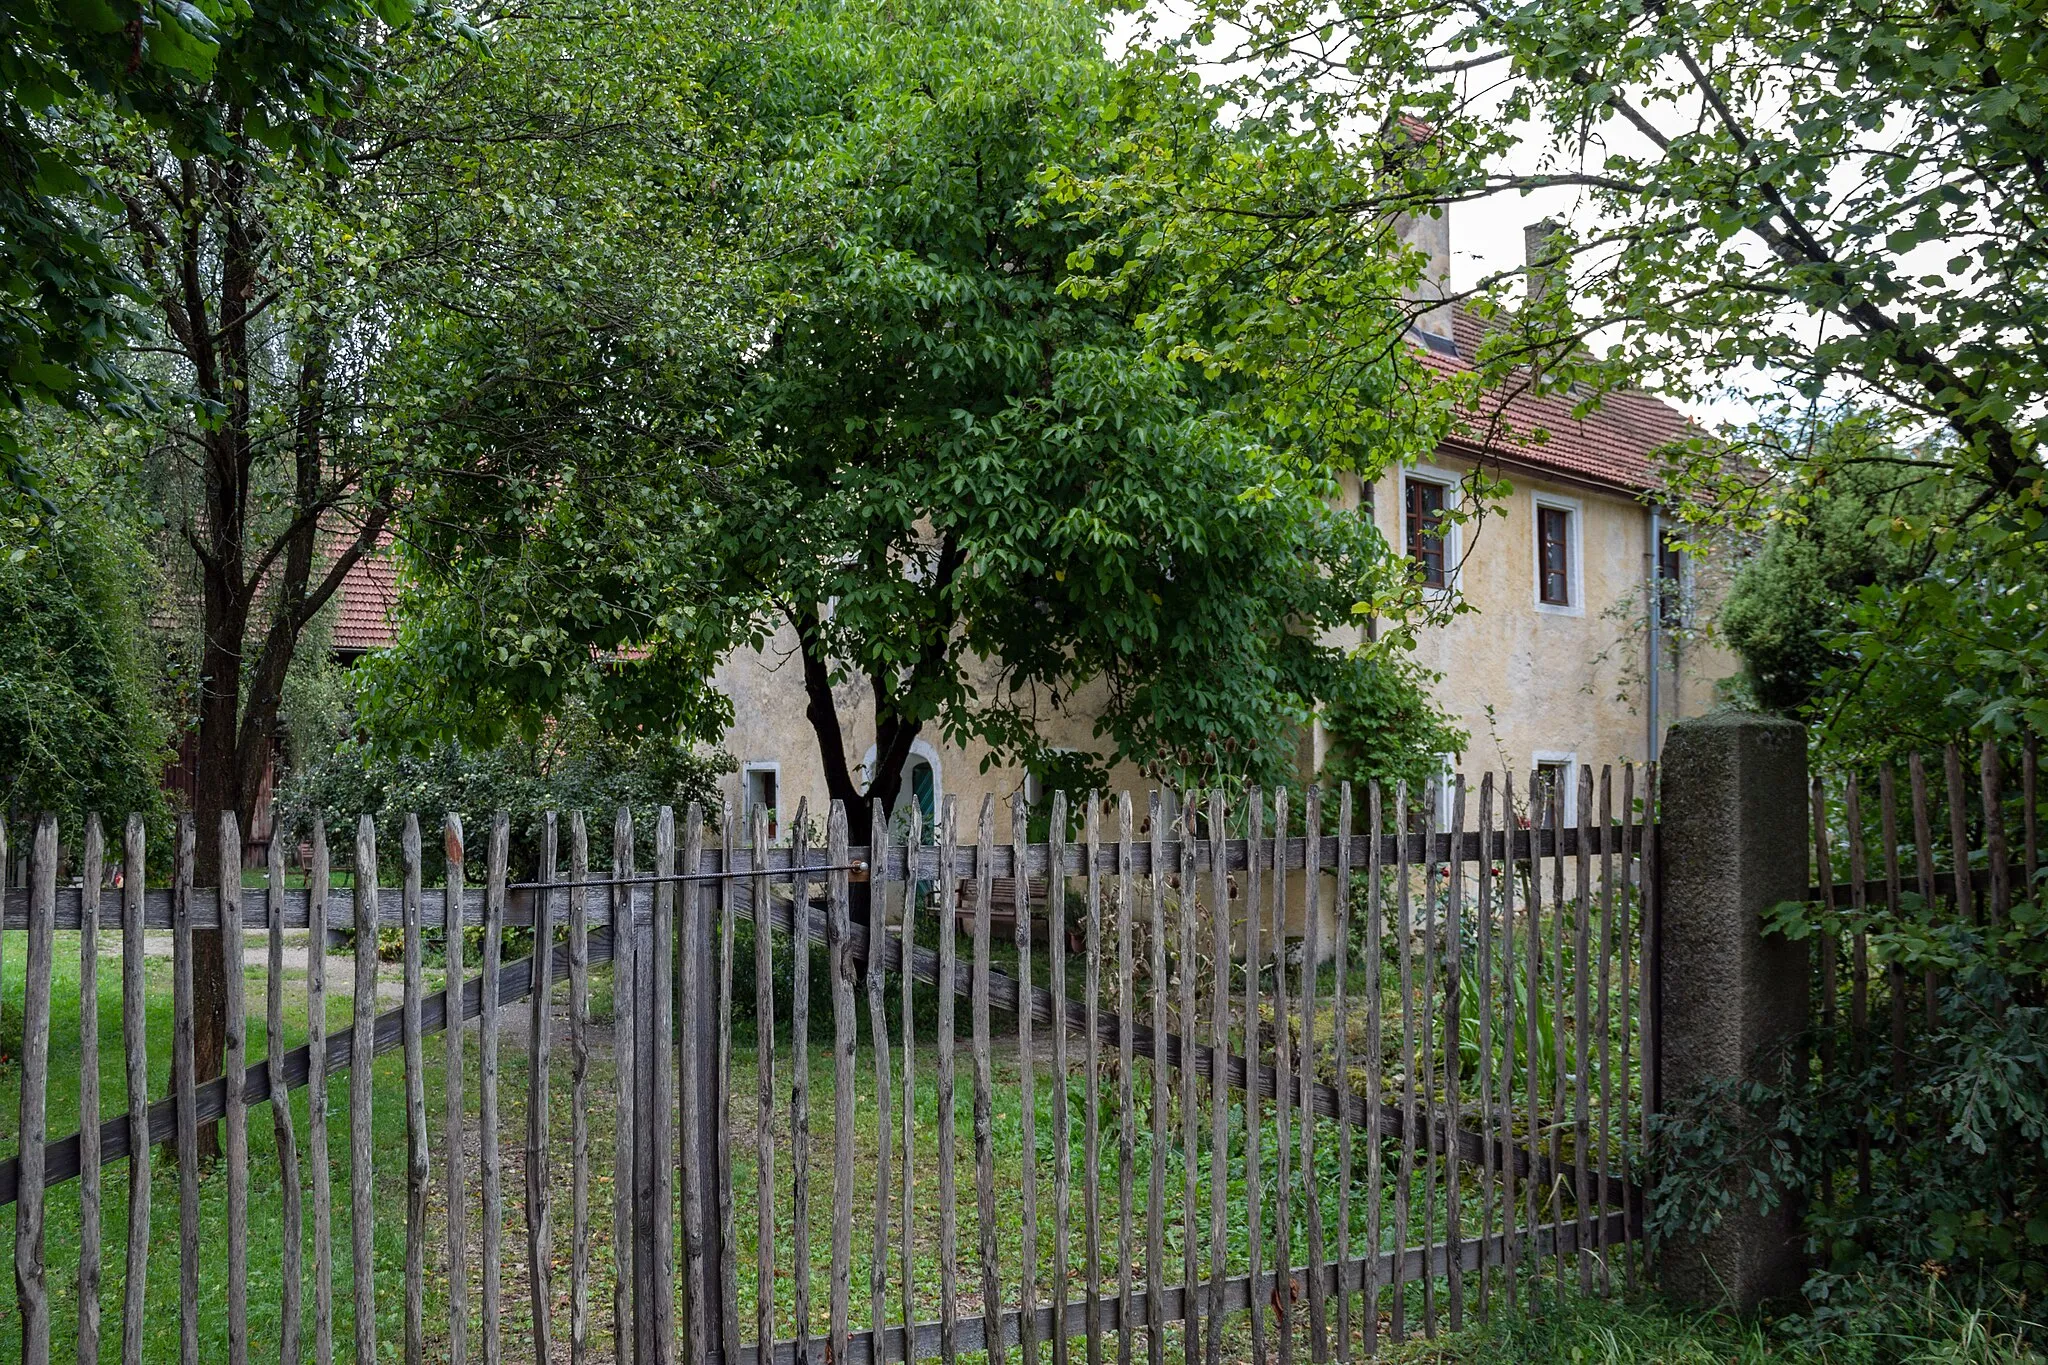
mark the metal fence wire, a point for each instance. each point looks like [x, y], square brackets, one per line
[1248, 1075]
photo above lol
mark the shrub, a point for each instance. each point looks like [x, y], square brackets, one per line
[573, 766]
[1955, 1125]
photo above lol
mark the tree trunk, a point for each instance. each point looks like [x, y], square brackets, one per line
[893, 738]
[217, 789]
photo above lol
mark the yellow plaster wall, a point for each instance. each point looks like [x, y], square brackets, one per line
[1554, 682]
[1523, 679]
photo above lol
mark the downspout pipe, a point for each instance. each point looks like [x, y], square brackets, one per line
[1653, 653]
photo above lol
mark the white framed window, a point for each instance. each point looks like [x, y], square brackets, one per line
[1431, 543]
[1553, 770]
[1555, 546]
[761, 787]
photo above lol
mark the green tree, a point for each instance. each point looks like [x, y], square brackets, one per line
[80, 729]
[241, 208]
[212, 79]
[1847, 198]
[1825, 543]
[952, 468]
[1873, 604]
[582, 273]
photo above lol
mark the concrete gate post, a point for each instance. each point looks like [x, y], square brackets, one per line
[1732, 843]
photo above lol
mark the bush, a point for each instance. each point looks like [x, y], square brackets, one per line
[1955, 1126]
[79, 727]
[574, 766]
[1387, 727]
[1921, 1325]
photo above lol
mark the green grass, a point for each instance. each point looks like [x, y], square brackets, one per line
[265, 1195]
[1007, 1135]
[1565, 1329]
[1901, 1329]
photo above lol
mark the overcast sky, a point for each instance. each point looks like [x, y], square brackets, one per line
[1486, 237]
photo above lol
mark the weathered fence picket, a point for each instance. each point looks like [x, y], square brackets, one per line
[1375, 1043]
[1126, 1094]
[1027, 1067]
[911, 842]
[1254, 1167]
[540, 1232]
[185, 1082]
[1404, 945]
[625, 1079]
[283, 1138]
[92, 876]
[1316, 1252]
[417, 1172]
[316, 1102]
[32, 1290]
[1283, 1099]
[490, 1168]
[362, 1051]
[135, 1054]
[454, 1099]
[1219, 1094]
[1062, 1121]
[1454, 940]
[1091, 1071]
[844, 1040]
[878, 1028]
[579, 1090]
[1155, 1202]
[984, 1098]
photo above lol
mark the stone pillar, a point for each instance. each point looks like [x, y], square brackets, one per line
[1732, 843]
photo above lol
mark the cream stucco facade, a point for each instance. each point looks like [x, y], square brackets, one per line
[1530, 682]
[1534, 682]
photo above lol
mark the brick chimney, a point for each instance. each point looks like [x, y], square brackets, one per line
[1541, 259]
[1430, 232]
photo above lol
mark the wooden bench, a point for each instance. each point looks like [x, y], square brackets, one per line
[1002, 908]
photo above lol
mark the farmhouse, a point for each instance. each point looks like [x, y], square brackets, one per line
[1583, 645]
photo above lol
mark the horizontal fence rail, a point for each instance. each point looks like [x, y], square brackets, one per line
[1238, 1294]
[62, 1157]
[1398, 1051]
[521, 914]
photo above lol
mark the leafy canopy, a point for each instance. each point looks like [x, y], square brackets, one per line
[575, 258]
[74, 74]
[1845, 197]
[79, 728]
[954, 475]
[1842, 203]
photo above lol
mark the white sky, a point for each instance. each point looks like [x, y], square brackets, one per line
[1486, 237]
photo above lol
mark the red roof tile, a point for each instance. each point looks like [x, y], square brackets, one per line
[1613, 445]
[368, 592]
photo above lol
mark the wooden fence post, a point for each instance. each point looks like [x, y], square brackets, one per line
[677, 1134]
[1732, 844]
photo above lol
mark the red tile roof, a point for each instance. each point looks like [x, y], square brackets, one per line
[1613, 445]
[368, 592]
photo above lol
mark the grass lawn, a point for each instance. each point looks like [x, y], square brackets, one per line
[1008, 1142]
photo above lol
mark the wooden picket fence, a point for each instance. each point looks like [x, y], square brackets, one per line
[1440, 1028]
[1947, 842]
